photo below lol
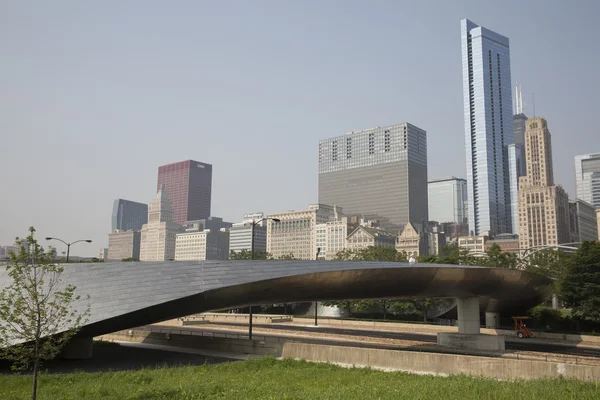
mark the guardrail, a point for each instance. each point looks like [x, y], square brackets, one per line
[237, 318]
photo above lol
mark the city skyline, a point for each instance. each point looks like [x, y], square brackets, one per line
[222, 124]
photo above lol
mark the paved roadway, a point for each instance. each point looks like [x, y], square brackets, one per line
[525, 345]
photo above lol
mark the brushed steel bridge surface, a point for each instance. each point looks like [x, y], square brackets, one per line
[131, 294]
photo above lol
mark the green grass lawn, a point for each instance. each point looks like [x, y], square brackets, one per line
[268, 378]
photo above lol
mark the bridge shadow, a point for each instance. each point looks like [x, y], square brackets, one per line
[115, 357]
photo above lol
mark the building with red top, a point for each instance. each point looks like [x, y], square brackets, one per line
[188, 185]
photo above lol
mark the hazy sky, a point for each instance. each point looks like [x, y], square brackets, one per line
[95, 95]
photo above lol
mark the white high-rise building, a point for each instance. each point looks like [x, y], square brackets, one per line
[159, 234]
[488, 129]
[587, 178]
[296, 233]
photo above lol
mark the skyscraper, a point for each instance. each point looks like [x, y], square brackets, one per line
[584, 222]
[188, 185]
[488, 128]
[381, 172]
[448, 200]
[158, 237]
[519, 121]
[587, 178]
[127, 215]
[543, 206]
[516, 166]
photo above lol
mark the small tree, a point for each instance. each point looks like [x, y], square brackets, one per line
[247, 255]
[37, 314]
[348, 305]
[580, 284]
[496, 258]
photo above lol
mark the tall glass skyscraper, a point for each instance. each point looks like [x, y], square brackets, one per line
[448, 200]
[188, 184]
[128, 215]
[488, 128]
[587, 178]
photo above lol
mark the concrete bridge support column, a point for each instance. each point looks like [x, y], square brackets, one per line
[78, 348]
[492, 320]
[468, 315]
[469, 337]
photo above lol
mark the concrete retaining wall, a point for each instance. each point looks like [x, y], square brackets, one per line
[446, 328]
[228, 343]
[440, 364]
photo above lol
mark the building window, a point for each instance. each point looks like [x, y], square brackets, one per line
[387, 141]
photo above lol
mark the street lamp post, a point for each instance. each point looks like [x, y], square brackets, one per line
[254, 223]
[69, 244]
[316, 303]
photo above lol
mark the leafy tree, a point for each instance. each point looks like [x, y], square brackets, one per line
[580, 284]
[456, 255]
[372, 253]
[130, 259]
[424, 305]
[37, 314]
[247, 255]
[551, 263]
[346, 255]
[384, 305]
[497, 258]
[288, 257]
[348, 305]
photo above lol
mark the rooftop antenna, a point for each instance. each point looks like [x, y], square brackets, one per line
[521, 106]
[517, 105]
[519, 99]
[533, 103]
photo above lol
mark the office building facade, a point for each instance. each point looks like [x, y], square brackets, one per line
[380, 172]
[474, 244]
[123, 245]
[332, 237]
[188, 185]
[240, 234]
[212, 223]
[584, 222]
[598, 219]
[158, 236]
[587, 178]
[488, 128]
[240, 237]
[296, 233]
[363, 237]
[448, 200]
[127, 215]
[202, 245]
[412, 241]
[543, 206]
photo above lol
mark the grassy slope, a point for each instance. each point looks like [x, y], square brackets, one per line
[271, 379]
